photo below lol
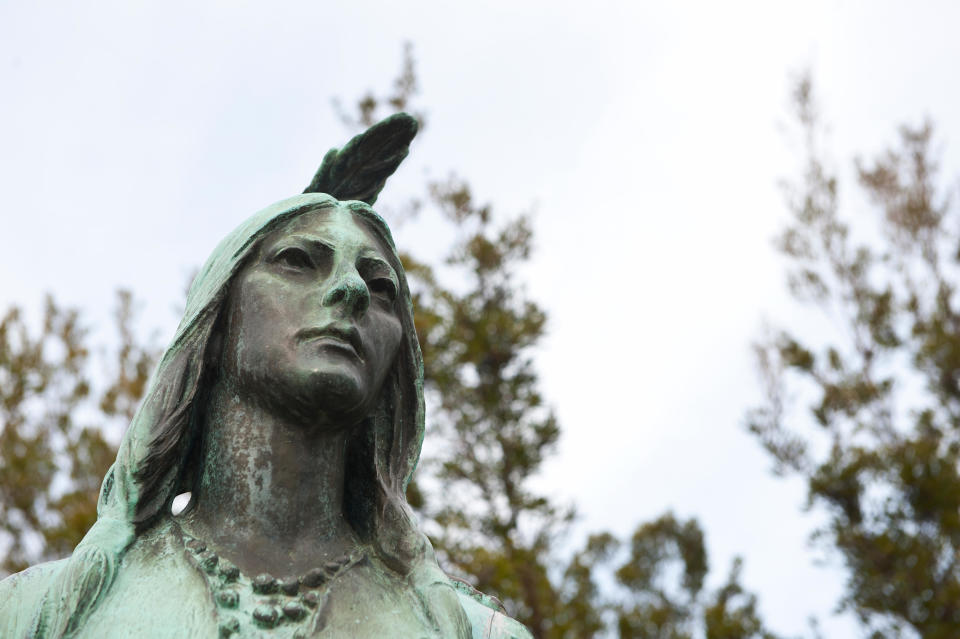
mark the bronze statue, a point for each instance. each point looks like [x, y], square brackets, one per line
[290, 405]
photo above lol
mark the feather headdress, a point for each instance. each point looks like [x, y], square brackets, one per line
[359, 170]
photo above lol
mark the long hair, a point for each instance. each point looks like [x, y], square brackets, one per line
[152, 464]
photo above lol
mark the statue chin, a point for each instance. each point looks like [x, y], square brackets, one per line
[334, 398]
[328, 397]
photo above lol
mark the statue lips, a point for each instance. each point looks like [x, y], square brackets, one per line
[344, 337]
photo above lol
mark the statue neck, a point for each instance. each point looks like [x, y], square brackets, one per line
[270, 495]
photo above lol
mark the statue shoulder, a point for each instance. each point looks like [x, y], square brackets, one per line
[20, 596]
[488, 619]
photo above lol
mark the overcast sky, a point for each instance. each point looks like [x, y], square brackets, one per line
[646, 138]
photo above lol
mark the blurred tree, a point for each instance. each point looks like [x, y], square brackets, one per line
[52, 445]
[880, 445]
[475, 494]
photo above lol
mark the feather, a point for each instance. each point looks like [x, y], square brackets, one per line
[359, 170]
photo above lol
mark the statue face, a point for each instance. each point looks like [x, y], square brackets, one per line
[313, 328]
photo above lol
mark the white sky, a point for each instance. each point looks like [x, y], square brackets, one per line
[133, 136]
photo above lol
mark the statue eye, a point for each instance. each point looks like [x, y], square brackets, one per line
[383, 287]
[294, 257]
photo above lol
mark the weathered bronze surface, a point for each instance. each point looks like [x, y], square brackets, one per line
[290, 406]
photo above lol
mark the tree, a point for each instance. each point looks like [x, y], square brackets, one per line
[880, 444]
[487, 522]
[52, 441]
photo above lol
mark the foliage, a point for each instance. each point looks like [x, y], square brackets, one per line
[53, 456]
[879, 447]
[655, 608]
[476, 495]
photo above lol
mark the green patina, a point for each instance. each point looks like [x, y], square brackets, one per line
[297, 450]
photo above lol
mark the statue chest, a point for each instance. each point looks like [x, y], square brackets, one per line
[166, 591]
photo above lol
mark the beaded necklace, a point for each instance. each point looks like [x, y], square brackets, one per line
[292, 605]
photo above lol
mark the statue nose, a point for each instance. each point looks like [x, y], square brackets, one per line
[349, 291]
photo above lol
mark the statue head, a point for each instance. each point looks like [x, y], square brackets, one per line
[306, 307]
[312, 324]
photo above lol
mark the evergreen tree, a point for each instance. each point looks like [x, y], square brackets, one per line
[879, 443]
[476, 496]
